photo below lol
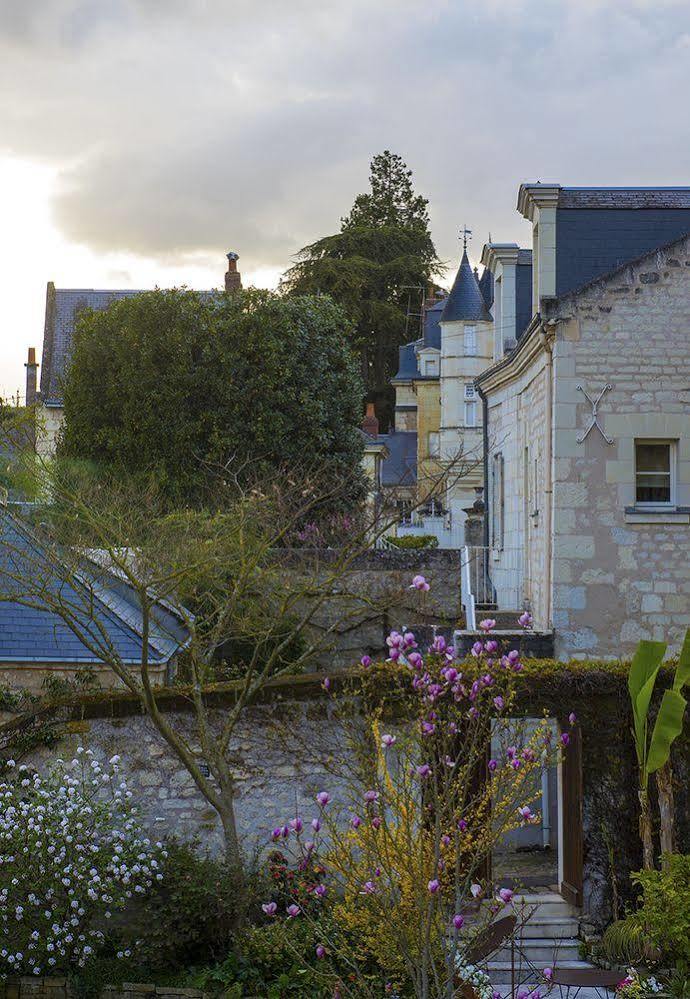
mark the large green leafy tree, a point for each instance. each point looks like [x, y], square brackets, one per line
[377, 267]
[181, 387]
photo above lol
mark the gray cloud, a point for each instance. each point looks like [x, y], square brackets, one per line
[187, 126]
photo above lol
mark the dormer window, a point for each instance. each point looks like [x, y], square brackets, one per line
[430, 367]
[470, 341]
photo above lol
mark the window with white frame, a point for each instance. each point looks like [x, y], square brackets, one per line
[430, 366]
[470, 391]
[655, 473]
[471, 341]
[470, 413]
[434, 444]
[497, 501]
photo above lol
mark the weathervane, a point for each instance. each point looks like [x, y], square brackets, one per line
[465, 232]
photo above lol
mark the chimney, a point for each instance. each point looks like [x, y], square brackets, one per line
[233, 278]
[31, 377]
[370, 425]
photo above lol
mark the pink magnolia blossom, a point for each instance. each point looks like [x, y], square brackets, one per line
[526, 814]
[368, 888]
[548, 974]
[326, 684]
[458, 921]
[565, 739]
[505, 895]
[572, 717]
[423, 771]
[365, 661]
[420, 583]
[387, 740]
[525, 620]
[376, 822]
[355, 822]
[320, 951]
[477, 891]
[371, 796]
[488, 624]
[316, 824]
[434, 886]
[323, 798]
[293, 910]
[270, 908]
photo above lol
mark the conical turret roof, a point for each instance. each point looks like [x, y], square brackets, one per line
[465, 301]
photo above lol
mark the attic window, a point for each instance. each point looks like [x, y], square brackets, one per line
[430, 366]
[470, 390]
[470, 341]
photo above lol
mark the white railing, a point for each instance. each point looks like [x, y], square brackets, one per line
[467, 592]
[493, 576]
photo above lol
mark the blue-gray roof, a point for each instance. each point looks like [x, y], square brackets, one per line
[407, 354]
[94, 599]
[486, 286]
[63, 306]
[465, 300]
[400, 469]
[594, 241]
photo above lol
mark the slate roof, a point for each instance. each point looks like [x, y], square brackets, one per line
[400, 468]
[624, 197]
[465, 300]
[95, 599]
[407, 354]
[62, 310]
[486, 286]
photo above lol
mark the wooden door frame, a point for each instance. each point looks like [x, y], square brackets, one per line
[570, 831]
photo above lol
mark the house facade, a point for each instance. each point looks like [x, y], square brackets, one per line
[436, 400]
[588, 422]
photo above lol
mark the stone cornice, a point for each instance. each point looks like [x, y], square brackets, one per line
[529, 346]
[494, 253]
[531, 196]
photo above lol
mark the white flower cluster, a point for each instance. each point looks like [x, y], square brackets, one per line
[71, 853]
[478, 979]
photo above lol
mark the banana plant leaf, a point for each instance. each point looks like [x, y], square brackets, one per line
[682, 676]
[667, 727]
[644, 669]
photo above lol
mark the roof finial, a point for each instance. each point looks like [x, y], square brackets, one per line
[465, 232]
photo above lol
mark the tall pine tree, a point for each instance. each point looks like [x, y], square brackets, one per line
[380, 262]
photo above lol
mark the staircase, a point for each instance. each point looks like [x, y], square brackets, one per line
[548, 938]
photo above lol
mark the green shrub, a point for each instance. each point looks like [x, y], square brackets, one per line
[274, 960]
[665, 910]
[190, 916]
[414, 542]
[624, 942]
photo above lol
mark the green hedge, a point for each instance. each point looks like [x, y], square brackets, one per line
[414, 542]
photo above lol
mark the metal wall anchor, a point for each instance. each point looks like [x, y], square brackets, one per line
[594, 403]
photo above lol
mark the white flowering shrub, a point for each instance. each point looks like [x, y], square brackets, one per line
[72, 853]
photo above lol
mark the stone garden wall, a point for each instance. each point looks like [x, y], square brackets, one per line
[291, 745]
[34, 987]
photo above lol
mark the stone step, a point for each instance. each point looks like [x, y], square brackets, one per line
[553, 927]
[542, 951]
[499, 972]
[546, 903]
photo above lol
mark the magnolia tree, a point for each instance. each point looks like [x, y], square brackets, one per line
[71, 855]
[397, 861]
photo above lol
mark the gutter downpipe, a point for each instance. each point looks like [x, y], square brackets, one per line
[485, 445]
[547, 334]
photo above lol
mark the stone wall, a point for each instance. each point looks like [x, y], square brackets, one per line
[35, 987]
[383, 577]
[292, 745]
[621, 574]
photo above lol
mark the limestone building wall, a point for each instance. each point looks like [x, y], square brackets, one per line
[622, 573]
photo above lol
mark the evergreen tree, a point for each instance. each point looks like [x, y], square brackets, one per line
[174, 385]
[378, 268]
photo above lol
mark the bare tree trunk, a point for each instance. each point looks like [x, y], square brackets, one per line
[226, 811]
[664, 783]
[646, 830]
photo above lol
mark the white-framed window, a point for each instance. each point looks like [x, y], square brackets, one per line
[497, 501]
[470, 391]
[430, 366]
[434, 444]
[471, 341]
[470, 413]
[655, 473]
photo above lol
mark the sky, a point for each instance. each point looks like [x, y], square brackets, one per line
[142, 139]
